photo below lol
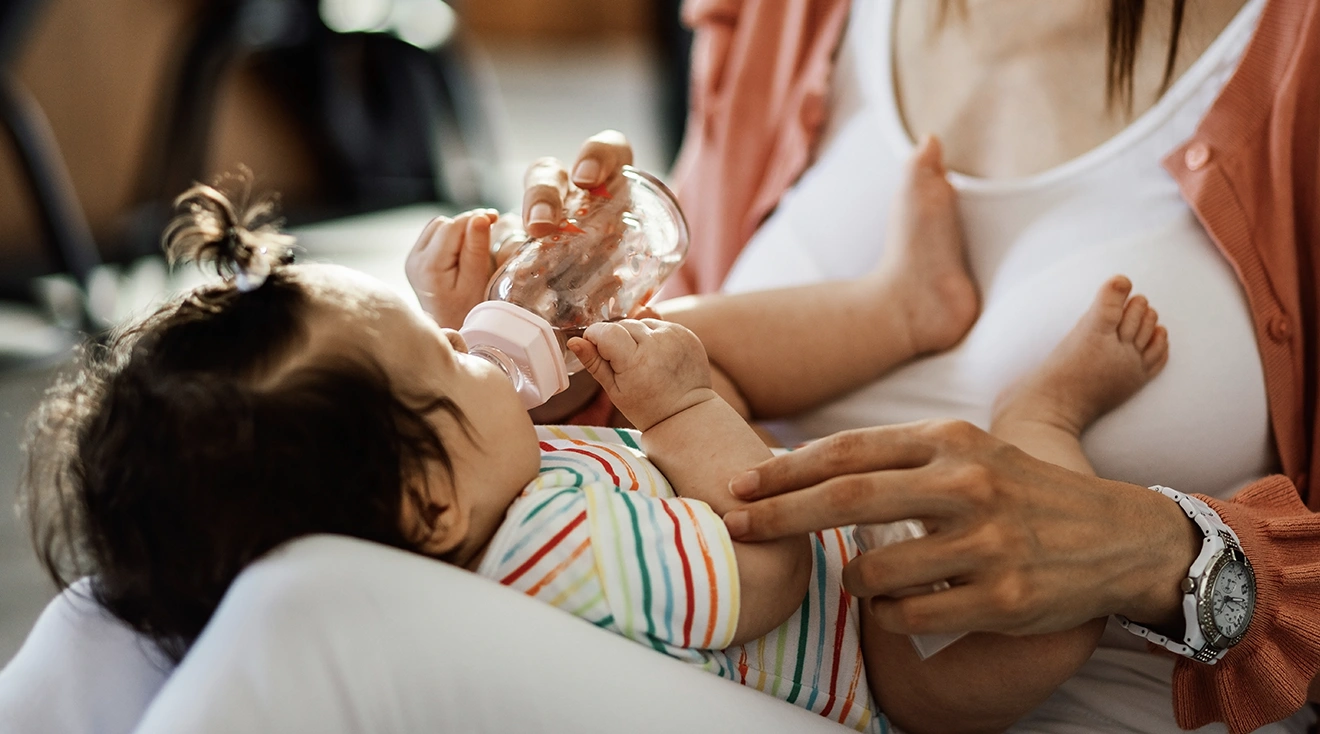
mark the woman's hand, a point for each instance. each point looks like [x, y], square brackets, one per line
[1028, 546]
[601, 158]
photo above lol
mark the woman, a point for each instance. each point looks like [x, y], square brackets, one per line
[1055, 548]
[1061, 184]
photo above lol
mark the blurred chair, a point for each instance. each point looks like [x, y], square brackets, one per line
[389, 122]
[674, 43]
[65, 232]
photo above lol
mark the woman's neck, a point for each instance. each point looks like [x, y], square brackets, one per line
[1014, 87]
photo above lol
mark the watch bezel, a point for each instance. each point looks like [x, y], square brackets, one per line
[1205, 607]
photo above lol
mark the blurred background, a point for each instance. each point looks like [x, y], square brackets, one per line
[369, 116]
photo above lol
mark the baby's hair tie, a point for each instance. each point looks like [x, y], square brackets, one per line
[250, 275]
[242, 241]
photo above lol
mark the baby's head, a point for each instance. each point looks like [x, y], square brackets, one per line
[285, 401]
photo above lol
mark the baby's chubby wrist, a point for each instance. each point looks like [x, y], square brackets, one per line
[687, 407]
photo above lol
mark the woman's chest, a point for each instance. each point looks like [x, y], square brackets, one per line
[1038, 257]
[1039, 248]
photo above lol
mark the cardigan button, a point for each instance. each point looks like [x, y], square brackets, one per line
[1197, 155]
[1279, 328]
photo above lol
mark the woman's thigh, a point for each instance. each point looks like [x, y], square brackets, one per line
[334, 635]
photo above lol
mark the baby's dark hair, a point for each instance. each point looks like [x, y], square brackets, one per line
[180, 451]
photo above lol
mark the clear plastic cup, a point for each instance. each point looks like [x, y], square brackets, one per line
[614, 247]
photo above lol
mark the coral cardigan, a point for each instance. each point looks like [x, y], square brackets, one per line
[761, 71]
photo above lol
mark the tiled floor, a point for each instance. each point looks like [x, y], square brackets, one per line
[552, 98]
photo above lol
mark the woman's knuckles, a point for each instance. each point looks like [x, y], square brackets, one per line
[843, 449]
[973, 483]
[910, 615]
[847, 494]
[1012, 598]
[546, 168]
[954, 436]
[860, 577]
[988, 543]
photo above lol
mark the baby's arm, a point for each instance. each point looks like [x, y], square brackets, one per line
[791, 349]
[657, 375]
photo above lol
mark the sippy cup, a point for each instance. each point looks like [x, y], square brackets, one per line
[613, 248]
[522, 345]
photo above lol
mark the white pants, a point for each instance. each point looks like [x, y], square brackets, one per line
[334, 635]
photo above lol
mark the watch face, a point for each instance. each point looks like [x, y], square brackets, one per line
[1234, 598]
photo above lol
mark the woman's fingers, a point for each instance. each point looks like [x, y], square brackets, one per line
[956, 609]
[845, 500]
[848, 452]
[601, 158]
[898, 569]
[545, 186]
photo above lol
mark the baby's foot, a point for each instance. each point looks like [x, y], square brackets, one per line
[1114, 350]
[924, 262]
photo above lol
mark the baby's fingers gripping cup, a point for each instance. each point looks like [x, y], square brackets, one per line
[523, 345]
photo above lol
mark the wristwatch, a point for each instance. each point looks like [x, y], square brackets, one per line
[1219, 591]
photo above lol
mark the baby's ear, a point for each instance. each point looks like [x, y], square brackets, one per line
[448, 530]
[438, 526]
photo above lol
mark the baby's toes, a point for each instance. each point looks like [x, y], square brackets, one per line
[927, 159]
[1156, 353]
[1147, 329]
[1107, 309]
[1133, 314]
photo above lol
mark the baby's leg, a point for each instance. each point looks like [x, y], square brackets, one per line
[1114, 350]
[923, 274]
[992, 680]
[791, 349]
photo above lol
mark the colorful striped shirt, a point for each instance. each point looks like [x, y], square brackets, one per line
[600, 534]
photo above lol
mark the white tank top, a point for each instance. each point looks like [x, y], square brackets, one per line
[1039, 249]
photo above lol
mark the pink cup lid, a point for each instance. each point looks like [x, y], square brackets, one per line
[526, 340]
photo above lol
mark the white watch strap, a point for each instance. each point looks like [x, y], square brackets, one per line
[1216, 534]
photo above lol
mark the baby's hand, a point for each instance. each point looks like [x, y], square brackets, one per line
[651, 369]
[451, 264]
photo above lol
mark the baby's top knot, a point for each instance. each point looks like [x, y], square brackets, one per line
[239, 234]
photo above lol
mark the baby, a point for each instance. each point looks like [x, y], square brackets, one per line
[776, 353]
[291, 400]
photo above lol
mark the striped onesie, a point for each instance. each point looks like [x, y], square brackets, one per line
[600, 534]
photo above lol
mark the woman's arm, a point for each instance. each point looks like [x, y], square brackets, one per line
[1270, 674]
